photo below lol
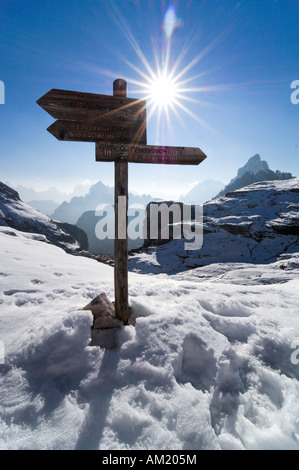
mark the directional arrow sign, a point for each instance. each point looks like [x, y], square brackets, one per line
[148, 154]
[95, 131]
[105, 109]
[117, 125]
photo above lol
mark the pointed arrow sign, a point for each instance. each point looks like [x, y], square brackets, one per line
[149, 154]
[95, 131]
[107, 120]
[87, 107]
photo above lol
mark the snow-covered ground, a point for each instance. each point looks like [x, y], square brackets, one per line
[255, 224]
[19, 215]
[210, 364]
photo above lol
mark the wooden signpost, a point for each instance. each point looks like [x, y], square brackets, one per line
[93, 132]
[117, 125]
[149, 154]
[86, 107]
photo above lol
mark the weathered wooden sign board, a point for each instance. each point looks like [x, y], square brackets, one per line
[117, 125]
[94, 131]
[76, 106]
[88, 117]
[149, 154]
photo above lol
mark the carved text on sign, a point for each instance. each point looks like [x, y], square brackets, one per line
[149, 154]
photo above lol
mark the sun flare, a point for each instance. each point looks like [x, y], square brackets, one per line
[167, 85]
[162, 91]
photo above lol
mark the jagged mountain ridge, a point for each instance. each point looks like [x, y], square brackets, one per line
[255, 224]
[254, 165]
[254, 171]
[71, 211]
[98, 194]
[51, 194]
[16, 214]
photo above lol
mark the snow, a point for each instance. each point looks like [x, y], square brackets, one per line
[15, 213]
[255, 224]
[207, 366]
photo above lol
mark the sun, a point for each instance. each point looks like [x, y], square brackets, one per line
[162, 91]
[167, 85]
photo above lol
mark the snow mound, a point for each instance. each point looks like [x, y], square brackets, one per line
[211, 364]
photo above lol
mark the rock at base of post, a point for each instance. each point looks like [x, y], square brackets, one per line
[104, 331]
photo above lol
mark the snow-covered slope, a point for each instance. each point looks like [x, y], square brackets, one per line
[211, 364]
[255, 224]
[19, 215]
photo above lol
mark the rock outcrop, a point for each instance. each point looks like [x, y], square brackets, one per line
[16, 214]
[255, 224]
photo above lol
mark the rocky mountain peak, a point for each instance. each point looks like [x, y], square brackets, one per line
[254, 165]
[7, 193]
[18, 215]
[254, 171]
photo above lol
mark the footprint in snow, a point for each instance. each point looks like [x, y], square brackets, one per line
[234, 329]
[17, 291]
[226, 309]
[198, 364]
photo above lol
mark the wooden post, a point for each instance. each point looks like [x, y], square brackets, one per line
[117, 124]
[121, 215]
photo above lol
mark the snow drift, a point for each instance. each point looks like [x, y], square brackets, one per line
[211, 364]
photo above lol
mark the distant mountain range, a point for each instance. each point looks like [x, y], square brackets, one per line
[70, 211]
[202, 192]
[49, 200]
[46, 207]
[254, 171]
[98, 194]
[256, 224]
[51, 194]
[79, 207]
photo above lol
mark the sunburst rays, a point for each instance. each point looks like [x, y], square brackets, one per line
[170, 87]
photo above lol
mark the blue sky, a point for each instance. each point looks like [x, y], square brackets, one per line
[241, 55]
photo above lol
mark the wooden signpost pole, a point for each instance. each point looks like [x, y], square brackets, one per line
[117, 125]
[121, 238]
